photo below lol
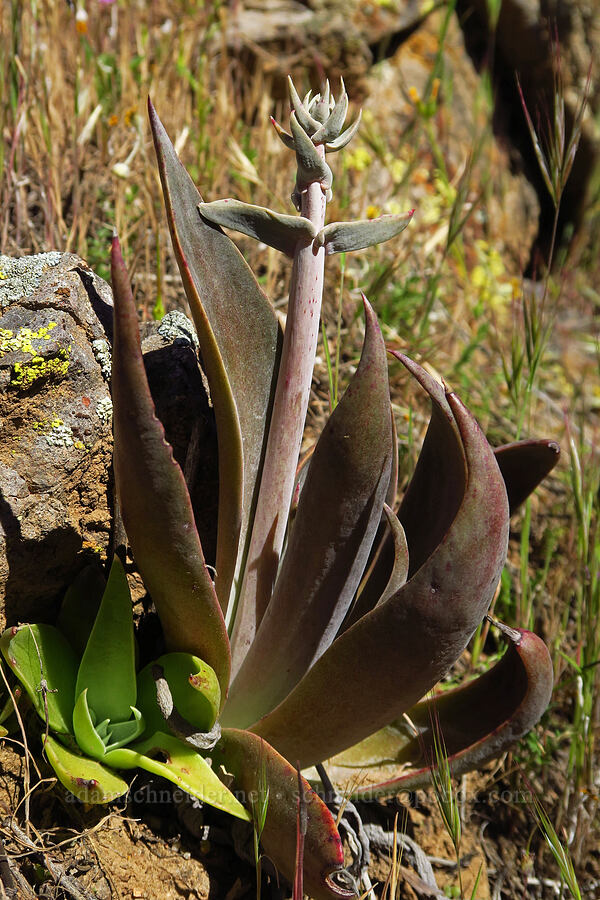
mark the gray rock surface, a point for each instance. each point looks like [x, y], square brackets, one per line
[56, 490]
[55, 418]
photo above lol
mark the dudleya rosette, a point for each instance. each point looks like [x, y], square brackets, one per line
[316, 635]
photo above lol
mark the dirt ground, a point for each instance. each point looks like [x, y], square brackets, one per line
[148, 847]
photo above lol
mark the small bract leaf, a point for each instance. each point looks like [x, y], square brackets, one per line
[341, 237]
[308, 123]
[167, 756]
[194, 688]
[286, 139]
[36, 652]
[311, 165]
[107, 668]
[332, 127]
[345, 137]
[89, 781]
[279, 231]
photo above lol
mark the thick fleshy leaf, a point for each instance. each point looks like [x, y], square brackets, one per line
[338, 514]
[80, 607]
[345, 137]
[286, 139]
[96, 738]
[478, 722]
[240, 342]
[165, 755]
[311, 164]
[331, 128]
[405, 645]
[524, 464]
[194, 688]
[380, 570]
[41, 652]
[341, 237]
[375, 592]
[155, 503]
[256, 766]
[87, 779]
[308, 123]
[279, 231]
[107, 668]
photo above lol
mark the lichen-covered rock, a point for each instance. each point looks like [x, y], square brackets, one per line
[56, 491]
[55, 413]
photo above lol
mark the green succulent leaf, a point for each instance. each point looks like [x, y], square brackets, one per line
[413, 638]
[167, 756]
[338, 514]
[345, 137]
[88, 738]
[8, 718]
[278, 231]
[478, 721]
[240, 353]
[304, 118]
[80, 607]
[156, 506]
[286, 139]
[97, 740]
[252, 762]
[107, 669]
[524, 464]
[311, 165]
[46, 665]
[341, 237]
[331, 128]
[87, 779]
[194, 688]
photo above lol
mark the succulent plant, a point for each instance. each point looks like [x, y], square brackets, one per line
[320, 632]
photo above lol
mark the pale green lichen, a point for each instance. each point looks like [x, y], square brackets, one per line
[20, 277]
[104, 409]
[101, 351]
[57, 434]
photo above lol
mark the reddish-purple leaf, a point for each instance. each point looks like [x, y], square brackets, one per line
[154, 500]
[478, 722]
[337, 517]
[404, 646]
[524, 464]
[239, 341]
[250, 759]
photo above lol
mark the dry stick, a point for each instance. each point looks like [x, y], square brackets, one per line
[67, 883]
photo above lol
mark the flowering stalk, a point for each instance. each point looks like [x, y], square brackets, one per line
[316, 126]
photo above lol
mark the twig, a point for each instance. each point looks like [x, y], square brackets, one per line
[67, 883]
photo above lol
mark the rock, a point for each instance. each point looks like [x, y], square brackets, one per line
[56, 490]
[524, 43]
[339, 37]
[55, 416]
